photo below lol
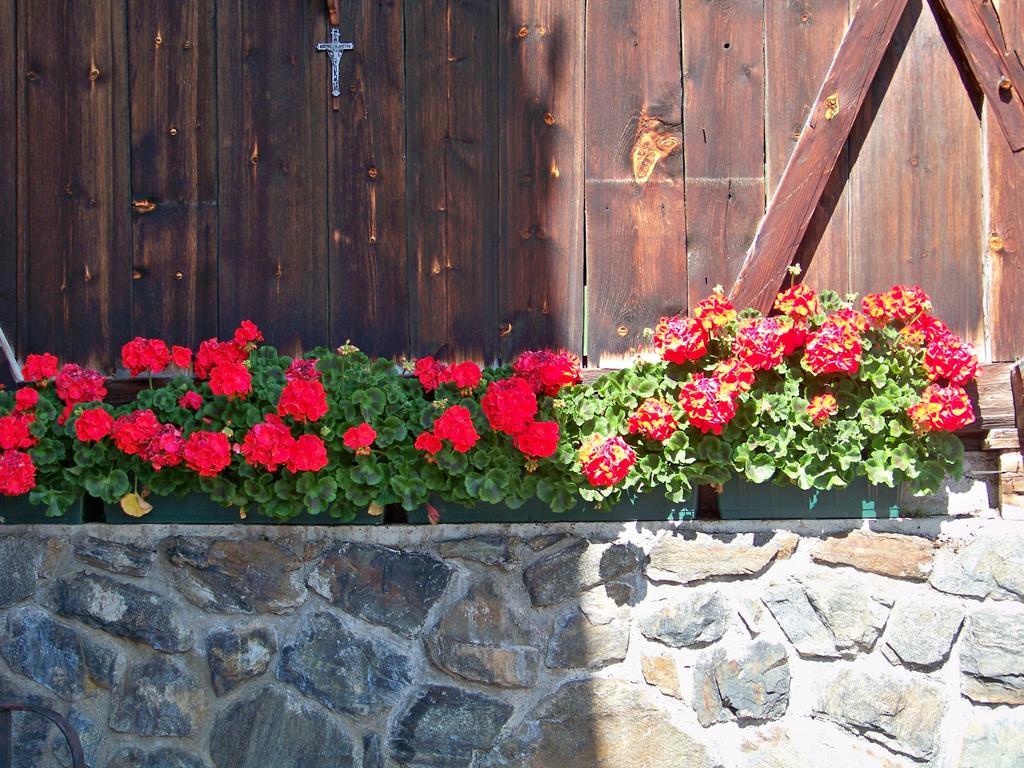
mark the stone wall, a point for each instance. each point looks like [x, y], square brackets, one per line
[756, 645]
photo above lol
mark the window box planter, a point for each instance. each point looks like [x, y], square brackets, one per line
[643, 507]
[743, 500]
[18, 510]
[196, 509]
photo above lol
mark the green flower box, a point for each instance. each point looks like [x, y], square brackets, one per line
[743, 500]
[646, 507]
[18, 510]
[196, 509]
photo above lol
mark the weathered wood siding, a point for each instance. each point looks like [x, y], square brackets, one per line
[500, 174]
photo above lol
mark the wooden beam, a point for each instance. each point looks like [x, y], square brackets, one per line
[1017, 390]
[817, 152]
[999, 74]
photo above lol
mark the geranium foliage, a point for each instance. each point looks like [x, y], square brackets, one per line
[822, 391]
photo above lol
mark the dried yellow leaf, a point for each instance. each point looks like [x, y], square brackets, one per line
[376, 510]
[135, 506]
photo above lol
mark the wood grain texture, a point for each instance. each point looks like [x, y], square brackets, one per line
[916, 186]
[809, 31]
[452, 109]
[541, 166]
[723, 71]
[172, 76]
[997, 71]
[74, 184]
[272, 171]
[636, 233]
[8, 180]
[1005, 227]
[369, 289]
[817, 152]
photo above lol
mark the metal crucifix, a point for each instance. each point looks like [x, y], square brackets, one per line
[335, 49]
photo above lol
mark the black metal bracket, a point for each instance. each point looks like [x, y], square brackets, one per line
[7, 710]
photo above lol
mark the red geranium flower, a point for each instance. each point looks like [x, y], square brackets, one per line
[798, 302]
[509, 405]
[213, 353]
[707, 406]
[606, 461]
[17, 473]
[303, 369]
[429, 372]
[547, 372]
[309, 454]
[181, 356]
[133, 431]
[15, 431]
[654, 420]
[39, 367]
[268, 444]
[539, 439]
[359, 439]
[735, 376]
[93, 424]
[901, 302]
[141, 355]
[80, 385]
[191, 400]
[303, 400]
[429, 443]
[714, 312]
[230, 380]
[456, 426]
[941, 409]
[834, 348]
[165, 449]
[951, 358]
[680, 339]
[464, 375]
[26, 399]
[762, 342]
[207, 453]
[247, 333]
[822, 408]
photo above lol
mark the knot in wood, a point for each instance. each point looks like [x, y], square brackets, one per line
[523, 32]
[622, 330]
[549, 119]
[372, 172]
[996, 243]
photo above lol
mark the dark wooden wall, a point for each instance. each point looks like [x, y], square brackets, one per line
[169, 167]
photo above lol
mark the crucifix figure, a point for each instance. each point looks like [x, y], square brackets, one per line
[335, 49]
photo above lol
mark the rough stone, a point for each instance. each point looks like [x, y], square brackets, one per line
[754, 616]
[167, 757]
[380, 585]
[752, 685]
[445, 727]
[691, 619]
[920, 634]
[127, 559]
[994, 742]
[276, 728]
[607, 603]
[342, 670]
[598, 722]
[373, 751]
[225, 576]
[483, 639]
[887, 554]
[992, 656]
[157, 698]
[578, 644]
[661, 672]
[686, 559]
[489, 550]
[90, 735]
[124, 610]
[830, 616]
[577, 568]
[812, 745]
[537, 543]
[20, 559]
[990, 566]
[237, 655]
[902, 713]
[56, 655]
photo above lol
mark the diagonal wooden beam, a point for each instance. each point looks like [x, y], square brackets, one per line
[816, 153]
[998, 71]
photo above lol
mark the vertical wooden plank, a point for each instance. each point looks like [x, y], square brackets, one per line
[724, 136]
[541, 169]
[73, 177]
[272, 172]
[172, 63]
[366, 185]
[916, 186]
[636, 228]
[808, 31]
[452, 108]
[1006, 217]
[8, 180]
